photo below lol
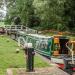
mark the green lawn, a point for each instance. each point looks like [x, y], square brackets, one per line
[9, 58]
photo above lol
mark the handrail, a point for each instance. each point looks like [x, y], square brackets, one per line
[19, 40]
[14, 27]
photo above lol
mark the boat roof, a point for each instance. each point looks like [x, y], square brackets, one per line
[36, 35]
[40, 36]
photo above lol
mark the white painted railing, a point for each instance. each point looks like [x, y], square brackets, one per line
[19, 28]
[14, 27]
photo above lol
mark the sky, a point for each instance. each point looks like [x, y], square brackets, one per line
[2, 12]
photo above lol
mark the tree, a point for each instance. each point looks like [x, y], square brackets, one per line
[24, 10]
[47, 14]
[11, 11]
[50, 12]
[1, 3]
[69, 14]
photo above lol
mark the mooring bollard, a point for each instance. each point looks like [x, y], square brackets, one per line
[29, 51]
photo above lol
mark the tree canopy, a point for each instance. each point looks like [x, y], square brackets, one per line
[47, 14]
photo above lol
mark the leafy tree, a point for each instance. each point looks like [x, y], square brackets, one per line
[47, 14]
[23, 9]
[11, 11]
[50, 12]
[69, 14]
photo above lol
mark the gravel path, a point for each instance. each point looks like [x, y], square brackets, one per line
[43, 71]
[9, 72]
[38, 71]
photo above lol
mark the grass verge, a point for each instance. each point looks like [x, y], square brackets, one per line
[10, 59]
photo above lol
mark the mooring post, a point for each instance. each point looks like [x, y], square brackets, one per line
[29, 52]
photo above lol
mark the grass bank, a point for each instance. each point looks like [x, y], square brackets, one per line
[9, 58]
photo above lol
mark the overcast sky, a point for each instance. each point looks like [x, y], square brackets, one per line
[2, 14]
[2, 11]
